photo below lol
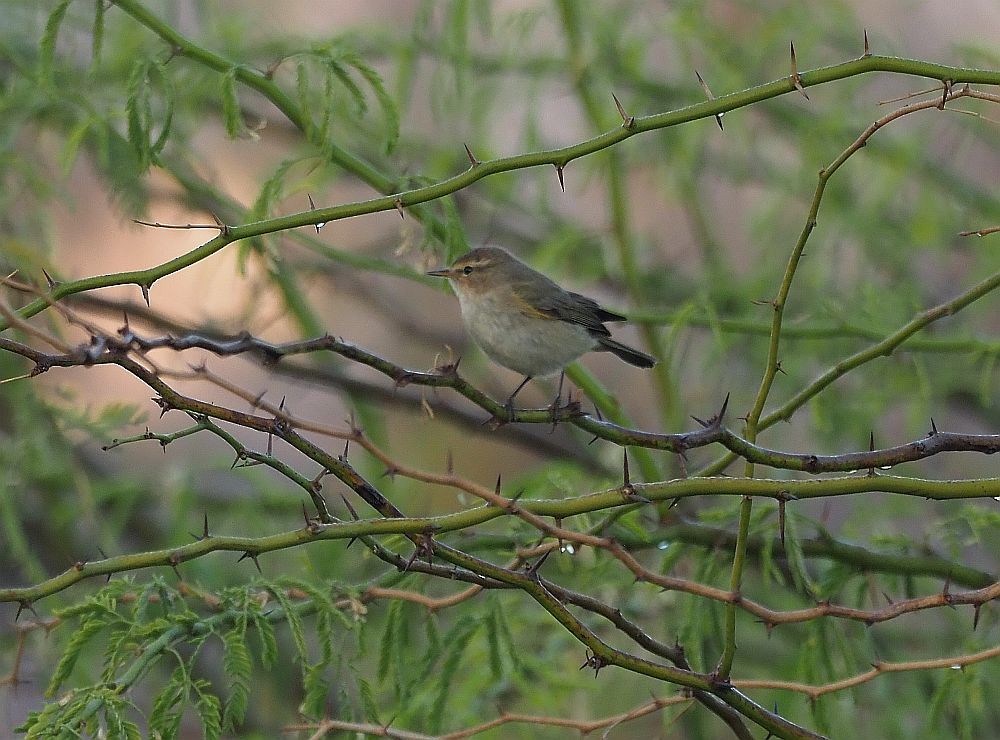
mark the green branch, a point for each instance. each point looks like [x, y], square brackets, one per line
[950, 490]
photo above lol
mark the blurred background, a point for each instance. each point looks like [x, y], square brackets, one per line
[686, 229]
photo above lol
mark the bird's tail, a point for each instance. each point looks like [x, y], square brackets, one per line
[629, 355]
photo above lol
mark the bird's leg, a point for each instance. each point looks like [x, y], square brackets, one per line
[509, 403]
[557, 401]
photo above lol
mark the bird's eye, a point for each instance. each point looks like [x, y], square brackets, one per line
[467, 269]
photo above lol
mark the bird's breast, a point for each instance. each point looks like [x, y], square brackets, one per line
[526, 344]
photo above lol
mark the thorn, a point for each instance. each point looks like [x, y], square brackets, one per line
[627, 481]
[779, 368]
[25, 604]
[353, 514]
[710, 96]
[933, 428]
[163, 403]
[347, 446]
[472, 157]
[399, 206]
[305, 515]
[796, 80]
[350, 508]
[253, 557]
[533, 570]
[722, 412]
[497, 489]
[627, 120]
[945, 94]
[701, 421]
[145, 293]
[975, 616]
[868, 49]
[223, 228]
[559, 174]
[871, 448]
[204, 532]
[312, 207]
[48, 279]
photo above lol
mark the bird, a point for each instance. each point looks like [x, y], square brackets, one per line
[526, 322]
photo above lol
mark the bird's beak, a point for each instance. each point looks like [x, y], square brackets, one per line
[444, 272]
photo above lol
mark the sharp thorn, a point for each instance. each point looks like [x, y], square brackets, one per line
[312, 207]
[868, 49]
[796, 80]
[145, 293]
[722, 412]
[472, 157]
[627, 120]
[710, 96]
[350, 508]
[559, 174]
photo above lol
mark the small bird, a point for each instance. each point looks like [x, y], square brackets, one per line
[527, 323]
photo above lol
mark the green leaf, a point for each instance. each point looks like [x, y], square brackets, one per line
[455, 643]
[97, 31]
[84, 633]
[268, 640]
[138, 112]
[316, 690]
[209, 710]
[161, 718]
[386, 646]
[232, 116]
[390, 111]
[368, 701]
[493, 640]
[236, 664]
[47, 44]
[294, 622]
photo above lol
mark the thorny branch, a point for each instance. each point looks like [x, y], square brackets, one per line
[114, 350]
[128, 350]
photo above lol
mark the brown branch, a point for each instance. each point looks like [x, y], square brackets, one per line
[584, 727]
[878, 669]
[107, 349]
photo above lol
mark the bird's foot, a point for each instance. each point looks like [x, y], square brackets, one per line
[498, 420]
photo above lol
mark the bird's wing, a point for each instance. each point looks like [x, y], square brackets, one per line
[574, 309]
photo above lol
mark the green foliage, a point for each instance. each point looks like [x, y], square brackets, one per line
[692, 240]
